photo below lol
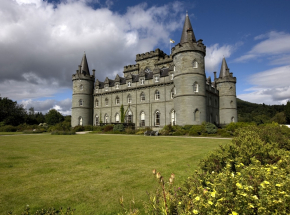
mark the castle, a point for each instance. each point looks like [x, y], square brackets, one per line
[158, 90]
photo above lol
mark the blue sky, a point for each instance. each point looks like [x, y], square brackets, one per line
[42, 43]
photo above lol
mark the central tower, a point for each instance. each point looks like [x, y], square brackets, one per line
[189, 78]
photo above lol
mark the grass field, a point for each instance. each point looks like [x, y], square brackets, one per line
[90, 172]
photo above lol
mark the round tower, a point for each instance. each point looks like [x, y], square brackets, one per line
[82, 98]
[189, 78]
[226, 84]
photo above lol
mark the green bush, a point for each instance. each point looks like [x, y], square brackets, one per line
[89, 127]
[167, 130]
[8, 128]
[63, 133]
[118, 127]
[34, 131]
[210, 128]
[78, 128]
[108, 128]
[197, 130]
[129, 130]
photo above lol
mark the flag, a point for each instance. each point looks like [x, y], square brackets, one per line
[172, 41]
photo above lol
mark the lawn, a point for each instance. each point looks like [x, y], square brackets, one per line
[90, 172]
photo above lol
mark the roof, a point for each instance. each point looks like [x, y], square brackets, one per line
[84, 66]
[186, 26]
[224, 69]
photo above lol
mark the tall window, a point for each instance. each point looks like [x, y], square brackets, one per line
[233, 119]
[195, 87]
[157, 118]
[129, 99]
[117, 117]
[142, 81]
[129, 117]
[106, 118]
[129, 84]
[173, 117]
[195, 64]
[80, 121]
[106, 101]
[172, 76]
[106, 88]
[117, 86]
[142, 124]
[81, 87]
[142, 96]
[196, 115]
[172, 92]
[157, 95]
[117, 100]
[97, 103]
[97, 119]
[81, 102]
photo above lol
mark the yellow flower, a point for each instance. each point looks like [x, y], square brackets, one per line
[250, 205]
[197, 198]
[233, 175]
[213, 194]
[243, 194]
[239, 185]
[238, 173]
[210, 202]
[278, 185]
[255, 197]
[234, 213]
[195, 211]
[274, 167]
[241, 164]
[179, 203]
[266, 182]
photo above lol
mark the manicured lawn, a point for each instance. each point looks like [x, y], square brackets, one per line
[10, 133]
[90, 172]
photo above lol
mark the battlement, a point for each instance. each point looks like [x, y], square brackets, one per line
[165, 59]
[131, 68]
[191, 46]
[151, 54]
[80, 76]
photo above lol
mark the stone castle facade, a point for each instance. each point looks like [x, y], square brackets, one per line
[158, 90]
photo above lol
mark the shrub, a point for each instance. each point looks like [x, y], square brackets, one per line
[108, 128]
[129, 130]
[63, 133]
[167, 130]
[118, 127]
[8, 128]
[88, 128]
[34, 131]
[78, 128]
[210, 128]
[196, 130]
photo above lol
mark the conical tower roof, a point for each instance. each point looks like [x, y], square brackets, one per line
[224, 69]
[186, 26]
[84, 66]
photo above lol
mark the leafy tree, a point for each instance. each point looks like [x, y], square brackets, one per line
[287, 112]
[11, 113]
[279, 118]
[53, 117]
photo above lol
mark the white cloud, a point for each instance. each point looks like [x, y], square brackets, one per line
[41, 44]
[277, 43]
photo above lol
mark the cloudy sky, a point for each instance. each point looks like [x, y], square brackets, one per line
[42, 43]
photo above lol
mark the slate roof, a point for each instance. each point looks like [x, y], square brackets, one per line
[186, 26]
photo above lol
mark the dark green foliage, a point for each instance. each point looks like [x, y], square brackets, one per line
[279, 118]
[8, 128]
[108, 128]
[129, 130]
[210, 128]
[35, 131]
[78, 128]
[287, 112]
[89, 127]
[53, 117]
[11, 113]
[118, 127]
[122, 110]
[63, 133]
[197, 130]
[62, 126]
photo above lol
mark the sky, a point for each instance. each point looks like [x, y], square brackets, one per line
[42, 43]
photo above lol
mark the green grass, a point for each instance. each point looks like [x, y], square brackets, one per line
[10, 133]
[90, 172]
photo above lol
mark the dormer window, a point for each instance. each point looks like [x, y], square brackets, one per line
[142, 81]
[156, 79]
[117, 86]
[195, 64]
[129, 84]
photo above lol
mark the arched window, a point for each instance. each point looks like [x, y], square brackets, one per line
[195, 64]
[232, 103]
[157, 118]
[195, 87]
[233, 119]
[96, 120]
[156, 78]
[196, 115]
[106, 118]
[173, 117]
[172, 92]
[129, 99]
[97, 103]
[142, 81]
[142, 124]
[157, 95]
[81, 102]
[81, 87]
[106, 101]
[117, 86]
[142, 97]
[129, 117]
[129, 84]
[172, 76]
[117, 118]
[117, 100]
[80, 121]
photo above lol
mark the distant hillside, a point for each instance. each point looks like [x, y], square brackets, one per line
[259, 113]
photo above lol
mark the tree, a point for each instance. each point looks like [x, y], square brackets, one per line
[11, 113]
[122, 114]
[287, 112]
[279, 118]
[53, 117]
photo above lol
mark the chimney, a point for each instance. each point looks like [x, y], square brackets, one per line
[214, 75]
[94, 72]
